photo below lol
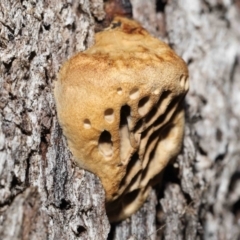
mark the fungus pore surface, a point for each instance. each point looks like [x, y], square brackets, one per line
[119, 104]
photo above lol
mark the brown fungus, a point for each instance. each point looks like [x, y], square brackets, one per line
[120, 106]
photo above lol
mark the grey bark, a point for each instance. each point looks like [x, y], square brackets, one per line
[44, 195]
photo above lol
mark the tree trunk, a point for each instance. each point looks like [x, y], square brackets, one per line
[44, 195]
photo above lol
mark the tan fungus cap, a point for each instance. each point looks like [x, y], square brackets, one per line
[119, 104]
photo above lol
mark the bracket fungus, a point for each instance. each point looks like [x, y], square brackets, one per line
[119, 104]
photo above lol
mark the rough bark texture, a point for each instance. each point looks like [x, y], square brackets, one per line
[43, 195]
[67, 202]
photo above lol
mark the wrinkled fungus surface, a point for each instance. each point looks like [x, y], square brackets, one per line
[120, 106]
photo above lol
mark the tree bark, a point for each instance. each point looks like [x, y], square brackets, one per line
[44, 195]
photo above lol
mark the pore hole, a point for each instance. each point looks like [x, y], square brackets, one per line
[105, 144]
[119, 91]
[125, 145]
[86, 124]
[144, 106]
[109, 115]
[134, 94]
[125, 115]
